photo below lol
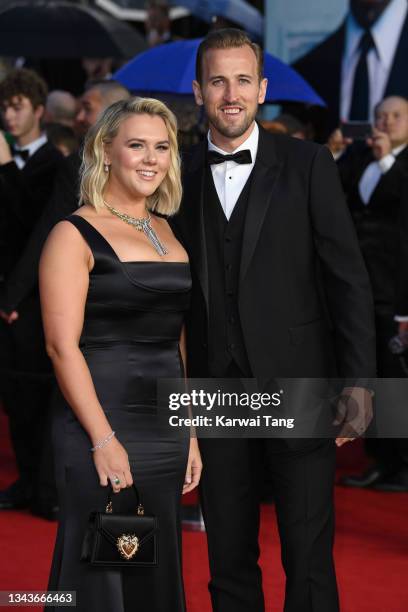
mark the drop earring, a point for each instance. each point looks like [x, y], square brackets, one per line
[106, 167]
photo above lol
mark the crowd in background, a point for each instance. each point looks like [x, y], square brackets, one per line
[358, 71]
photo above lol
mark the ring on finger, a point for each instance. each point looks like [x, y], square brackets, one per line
[116, 480]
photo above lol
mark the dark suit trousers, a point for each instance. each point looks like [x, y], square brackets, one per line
[391, 453]
[302, 476]
[303, 482]
[26, 392]
[230, 505]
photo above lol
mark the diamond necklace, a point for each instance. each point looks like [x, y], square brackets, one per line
[142, 224]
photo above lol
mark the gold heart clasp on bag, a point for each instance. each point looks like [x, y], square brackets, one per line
[128, 545]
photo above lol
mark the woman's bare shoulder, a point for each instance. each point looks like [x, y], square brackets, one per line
[87, 212]
[64, 235]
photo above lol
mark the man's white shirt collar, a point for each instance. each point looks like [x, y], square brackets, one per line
[250, 143]
[31, 148]
[230, 177]
[399, 149]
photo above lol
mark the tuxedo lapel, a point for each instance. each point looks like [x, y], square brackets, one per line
[321, 67]
[194, 179]
[332, 70]
[396, 84]
[263, 179]
[387, 183]
[264, 176]
[42, 156]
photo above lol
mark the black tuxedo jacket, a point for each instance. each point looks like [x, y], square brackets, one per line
[381, 223]
[63, 201]
[23, 195]
[304, 295]
[401, 300]
[321, 67]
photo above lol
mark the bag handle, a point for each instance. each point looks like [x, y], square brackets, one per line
[140, 508]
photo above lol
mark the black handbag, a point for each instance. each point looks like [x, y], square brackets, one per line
[121, 540]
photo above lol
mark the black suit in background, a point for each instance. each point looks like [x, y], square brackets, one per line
[26, 371]
[23, 277]
[321, 67]
[23, 195]
[298, 304]
[382, 231]
[401, 300]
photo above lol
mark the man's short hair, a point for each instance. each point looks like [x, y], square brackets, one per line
[60, 134]
[377, 106]
[111, 91]
[228, 38]
[21, 82]
[61, 105]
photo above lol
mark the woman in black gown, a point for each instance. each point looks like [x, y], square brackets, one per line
[113, 301]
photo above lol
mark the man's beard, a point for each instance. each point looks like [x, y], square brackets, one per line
[232, 131]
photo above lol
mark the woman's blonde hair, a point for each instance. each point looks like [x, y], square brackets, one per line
[166, 199]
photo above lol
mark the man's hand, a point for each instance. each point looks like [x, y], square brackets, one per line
[9, 317]
[337, 143]
[5, 153]
[354, 413]
[194, 467]
[380, 143]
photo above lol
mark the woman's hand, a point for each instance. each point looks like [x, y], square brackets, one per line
[194, 467]
[112, 464]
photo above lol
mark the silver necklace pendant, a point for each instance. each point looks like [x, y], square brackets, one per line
[142, 224]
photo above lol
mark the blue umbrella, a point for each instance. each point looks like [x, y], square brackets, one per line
[238, 11]
[170, 68]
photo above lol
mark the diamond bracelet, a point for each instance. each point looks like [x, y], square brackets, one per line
[103, 442]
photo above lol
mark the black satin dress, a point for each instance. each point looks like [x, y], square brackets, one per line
[130, 338]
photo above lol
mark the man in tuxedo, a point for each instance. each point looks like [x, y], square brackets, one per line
[21, 287]
[268, 234]
[28, 167]
[27, 171]
[63, 201]
[373, 176]
[362, 62]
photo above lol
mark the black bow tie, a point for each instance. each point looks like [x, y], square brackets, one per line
[240, 157]
[23, 153]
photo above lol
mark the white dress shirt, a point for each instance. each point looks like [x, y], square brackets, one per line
[374, 171]
[386, 34]
[230, 177]
[31, 148]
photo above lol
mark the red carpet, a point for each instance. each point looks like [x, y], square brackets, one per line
[371, 548]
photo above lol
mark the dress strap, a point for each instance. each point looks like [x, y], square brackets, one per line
[96, 242]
